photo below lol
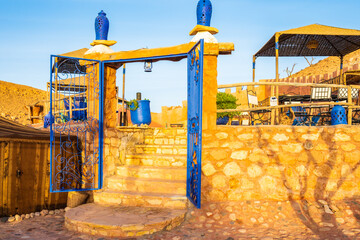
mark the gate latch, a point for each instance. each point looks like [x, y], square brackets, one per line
[19, 173]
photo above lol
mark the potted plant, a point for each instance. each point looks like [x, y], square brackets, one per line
[140, 111]
[225, 101]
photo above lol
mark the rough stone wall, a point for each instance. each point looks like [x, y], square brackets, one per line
[280, 163]
[118, 143]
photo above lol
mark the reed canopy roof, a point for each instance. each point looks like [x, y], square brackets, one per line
[329, 41]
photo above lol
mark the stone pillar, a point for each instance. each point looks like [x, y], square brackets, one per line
[110, 97]
[209, 92]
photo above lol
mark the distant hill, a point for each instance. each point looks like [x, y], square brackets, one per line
[15, 97]
[329, 65]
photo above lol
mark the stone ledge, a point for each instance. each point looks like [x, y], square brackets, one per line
[115, 221]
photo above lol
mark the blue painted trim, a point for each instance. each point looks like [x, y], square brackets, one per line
[277, 45]
[101, 125]
[201, 115]
[51, 131]
[147, 58]
[254, 65]
[86, 59]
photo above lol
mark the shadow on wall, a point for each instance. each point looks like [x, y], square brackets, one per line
[320, 193]
[296, 164]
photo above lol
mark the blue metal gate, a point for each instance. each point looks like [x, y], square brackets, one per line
[195, 97]
[76, 124]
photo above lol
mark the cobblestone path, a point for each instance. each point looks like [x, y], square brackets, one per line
[227, 221]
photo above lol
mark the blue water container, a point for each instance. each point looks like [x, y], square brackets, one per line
[338, 115]
[142, 114]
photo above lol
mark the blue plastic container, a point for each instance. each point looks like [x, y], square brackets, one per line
[338, 115]
[222, 121]
[142, 114]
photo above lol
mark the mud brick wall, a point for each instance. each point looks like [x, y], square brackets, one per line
[280, 163]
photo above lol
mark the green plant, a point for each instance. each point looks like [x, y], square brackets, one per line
[133, 104]
[226, 101]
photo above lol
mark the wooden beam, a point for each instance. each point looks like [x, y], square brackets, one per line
[284, 84]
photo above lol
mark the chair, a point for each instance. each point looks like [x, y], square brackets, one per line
[343, 93]
[321, 94]
[257, 116]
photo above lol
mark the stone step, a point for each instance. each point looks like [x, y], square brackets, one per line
[157, 160]
[121, 222]
[167, 132]
[166, 140]
[161, 149]
[136, 199]
[165, 173]
[146, 185]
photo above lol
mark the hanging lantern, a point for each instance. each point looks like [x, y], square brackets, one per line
[148, 66]
[312, 44]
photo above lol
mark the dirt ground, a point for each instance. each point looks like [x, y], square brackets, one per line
[14, 98]
[255, 220]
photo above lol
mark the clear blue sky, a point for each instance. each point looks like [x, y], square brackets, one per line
[31, 30]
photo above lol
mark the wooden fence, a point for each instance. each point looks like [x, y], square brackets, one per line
[25, 177]
[350, 104]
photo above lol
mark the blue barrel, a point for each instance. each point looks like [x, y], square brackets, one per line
[222, 121]
[142, 114]
[338, 115]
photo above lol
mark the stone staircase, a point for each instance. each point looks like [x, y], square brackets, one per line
[153, 176]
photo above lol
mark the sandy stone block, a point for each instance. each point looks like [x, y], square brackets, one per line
[167, 151]
[218, 154]
[221, 135]
[211, 144]
[331, 185]
[302, 170]
[159, 141]
[233, 195]
[219, 181]
[345, 170]
[180, 131]
[311, 137]
[348, 147]
[352, 157]
[265, 136]
[166, 141]
[321, 147]
[183, 141]
[254, 171]
[341, 137]
[208, 169]
[280, 137]
[216, 195]
[239, 155]
[275, 171]
[268, 184]
[232, 169]
[293, 147]
[259, 158]
[177, 164]
[323, 171]
[245, 136]
[236, 145]
[357, 137]
[246, 184]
